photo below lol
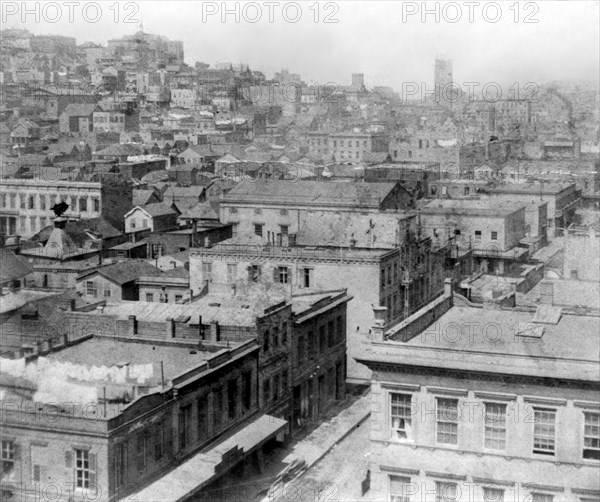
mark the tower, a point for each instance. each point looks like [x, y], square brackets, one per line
[443, 72]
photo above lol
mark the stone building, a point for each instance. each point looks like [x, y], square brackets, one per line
[467, 404]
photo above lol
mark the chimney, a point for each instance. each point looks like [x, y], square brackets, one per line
[170, 328]
[133, 324]
[448, 286]
[215, 332]
[72, 306]
[378, 328]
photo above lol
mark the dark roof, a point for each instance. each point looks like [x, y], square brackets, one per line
[124, 272]
[311, 192]
[80, 109]
[76, 230]
[12, 267]
[158, 209]
[121, 150]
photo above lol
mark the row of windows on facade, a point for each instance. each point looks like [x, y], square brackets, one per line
[401, 488]
[84, 467]
[282, 212]
[329, 336]
[9, 201]
[434, 190]
[477, 233]
[281, 274]
[495, 426]
[317, 141]
[153, 444]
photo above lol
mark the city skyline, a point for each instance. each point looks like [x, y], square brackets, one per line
[368, 43]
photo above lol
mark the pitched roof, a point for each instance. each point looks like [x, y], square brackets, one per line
[124, 272]
[158, 209]
[121, 150]
[201, 211]
[310, 192]
[80, 109]
[142, 197]
[76, 230]
[11, 266]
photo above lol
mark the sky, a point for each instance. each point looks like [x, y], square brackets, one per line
[392, 42]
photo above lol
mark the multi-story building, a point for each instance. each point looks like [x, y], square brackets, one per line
[581, 252]
[275, 210]
[347, 146]
[183, 98]
[493, 231]
[562, 199]
[490, 403]
[403, 278]
[25, 204]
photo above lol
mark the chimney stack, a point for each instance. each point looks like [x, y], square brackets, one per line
[378, 329]
[170, 328]
[133, 324]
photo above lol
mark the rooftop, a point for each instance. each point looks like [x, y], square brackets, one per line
[359, 194]
[478, 340]
[490, 208]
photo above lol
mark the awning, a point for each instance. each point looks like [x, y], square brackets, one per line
[198, 471]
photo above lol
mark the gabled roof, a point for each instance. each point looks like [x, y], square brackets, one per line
[76, 230]
[120, 150]
[142, 197]
[201, 211]
[124, 272]
[80, 109]
[156, 209]
[12, 267]
[310, 193]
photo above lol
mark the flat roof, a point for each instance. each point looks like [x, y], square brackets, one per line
[478, 340]
[100, 351]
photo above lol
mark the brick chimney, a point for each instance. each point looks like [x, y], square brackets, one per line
[170, 328]
[133, 324]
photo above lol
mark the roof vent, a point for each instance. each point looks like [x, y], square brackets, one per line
[214, 304]
[547, 314]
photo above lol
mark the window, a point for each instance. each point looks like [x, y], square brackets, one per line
[433, 190]
[13, 201]
[22, 201]
[276, 384]
[132, 223]
[494, 236]
[282, 275]
[330, 334]
[400, 414]
[144, 223]
[591, 436]
[284, 381]
[90, 288]
[445, 492]
[121, 462]
[96, 204]
[275, 337]
[178, 298]
[398, 489]
[574, 274]
[149, 297]
[258, 229]
[266, 337]
[82, 204]
[322, 339]
[218, 407]
[493, 494]
[107, 293]
[301, 348]
[306, 277]
[447, 420]
[266, 390]
[255, 272]
[8, 456]
[31, 204]
[495, 426]
[541, 497]
[543, 431]
[207, 271]
[85, 469]
[467, 190]
[231, 272]
[232, 394]
[283, 212]
[42, 202]
[478, 234]
[284, 229]
[142, 447]
[247, 390]
[232, 210]
[185, 419]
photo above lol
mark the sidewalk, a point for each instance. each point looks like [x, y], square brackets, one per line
[320, 442]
